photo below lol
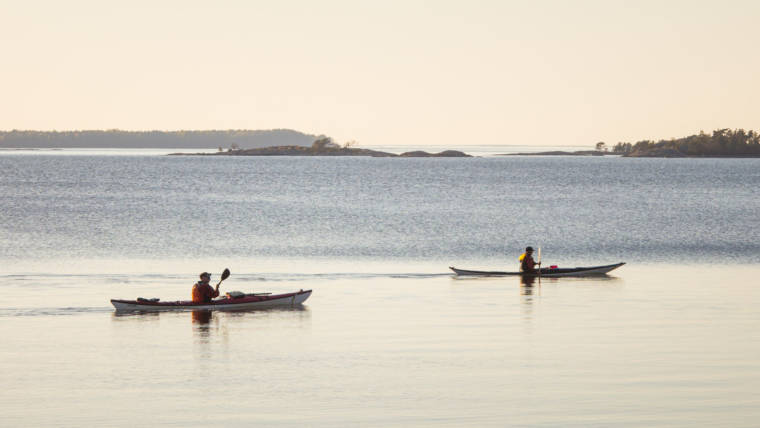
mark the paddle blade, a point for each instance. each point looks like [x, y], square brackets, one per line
[225, 274]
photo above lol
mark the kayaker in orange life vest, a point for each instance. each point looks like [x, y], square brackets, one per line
[527, 264]
[202, 291]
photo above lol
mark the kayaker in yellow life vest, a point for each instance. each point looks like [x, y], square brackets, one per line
[527, 264]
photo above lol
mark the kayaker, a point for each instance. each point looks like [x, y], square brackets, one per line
[202, 291]
[527, 264]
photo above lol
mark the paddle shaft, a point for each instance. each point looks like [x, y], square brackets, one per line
[539, 271]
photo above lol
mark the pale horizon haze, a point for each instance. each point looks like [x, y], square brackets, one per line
[421, 73]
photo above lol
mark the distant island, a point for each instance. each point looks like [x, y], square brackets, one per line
[325, 147]
[722, 143]
[288, 142]
[114, 138]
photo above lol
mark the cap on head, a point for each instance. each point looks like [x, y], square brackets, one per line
[206, 274]
[528, 249]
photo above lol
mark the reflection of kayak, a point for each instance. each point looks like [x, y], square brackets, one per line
[578, 271]
[247, 301]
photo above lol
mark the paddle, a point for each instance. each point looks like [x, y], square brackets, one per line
[225, 275]
[539, 271]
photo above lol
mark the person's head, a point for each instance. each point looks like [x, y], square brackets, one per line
[205, 276]
[528, 250]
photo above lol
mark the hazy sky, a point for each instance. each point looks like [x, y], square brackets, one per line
[385, 72]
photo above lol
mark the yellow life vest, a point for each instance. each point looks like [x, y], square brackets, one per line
[522, 256]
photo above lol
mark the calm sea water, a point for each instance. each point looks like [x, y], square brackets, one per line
[580, 210]
[388, 338]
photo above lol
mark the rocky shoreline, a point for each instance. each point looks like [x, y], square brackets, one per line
[327, 151]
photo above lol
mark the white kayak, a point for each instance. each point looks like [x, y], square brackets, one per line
[247, 301]
[553, 272]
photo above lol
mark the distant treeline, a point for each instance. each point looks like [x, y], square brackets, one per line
[115, 138]
[722, 142]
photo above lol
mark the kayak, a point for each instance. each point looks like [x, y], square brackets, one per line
[553, 272]
[246, 301]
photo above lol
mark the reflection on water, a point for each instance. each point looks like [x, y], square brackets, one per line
[215, 331]
[526, 293]
[527, 284]
[530, 286]
[138, 315]
[202, 330]
[201, 317]
[273, 310]
[202, 324]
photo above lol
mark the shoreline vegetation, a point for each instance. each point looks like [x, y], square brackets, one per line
[326, 147]
[723, 143]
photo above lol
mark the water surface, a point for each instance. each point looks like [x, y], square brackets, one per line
[580, 210]
[389, 337]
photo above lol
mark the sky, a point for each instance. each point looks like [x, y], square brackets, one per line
[444, 73]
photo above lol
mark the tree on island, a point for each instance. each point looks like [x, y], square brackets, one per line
[324, 144]
[622, 148]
